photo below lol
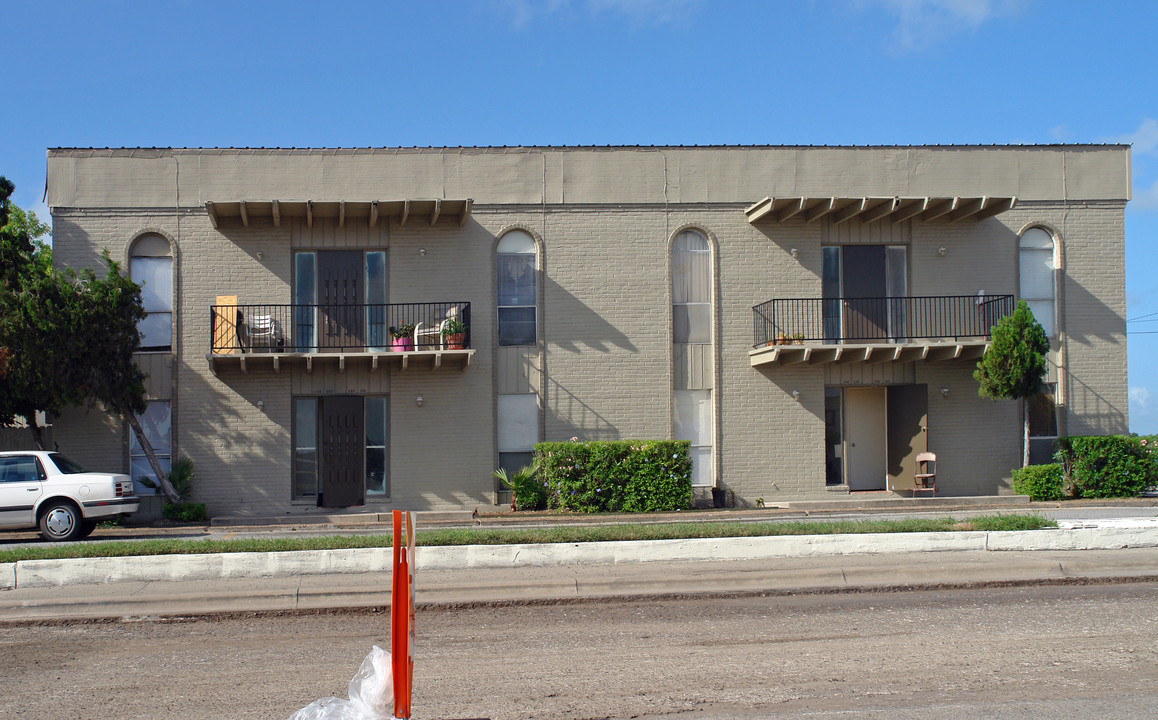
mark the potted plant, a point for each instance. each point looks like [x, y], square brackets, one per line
[454, 334]
[798, 339]
[402, 337]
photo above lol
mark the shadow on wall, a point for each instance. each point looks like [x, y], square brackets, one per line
[1095, 415]
[1098, 322]
[582, 325]
[571, 417]
[247, 466]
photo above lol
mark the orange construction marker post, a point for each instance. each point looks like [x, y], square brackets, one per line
[402, 615]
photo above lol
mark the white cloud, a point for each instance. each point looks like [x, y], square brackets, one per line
[1144, 139]
[922, 23]
[1139, 396]
[1061, 133]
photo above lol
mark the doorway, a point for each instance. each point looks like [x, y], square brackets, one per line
[874, 434]
[863, 287]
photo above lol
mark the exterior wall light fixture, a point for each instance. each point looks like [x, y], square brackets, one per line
[260, 255]
[944, 391]
[422, 252]
[261, 405]
[794, 252]
[942, 251]
[418, 401]
[796, 395]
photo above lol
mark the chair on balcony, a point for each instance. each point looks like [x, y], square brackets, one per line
[926, 476]
[264, 331]
[429, 336]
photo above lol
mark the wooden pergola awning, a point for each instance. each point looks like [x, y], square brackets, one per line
[912, 351]
[427, 212]
[872, 209]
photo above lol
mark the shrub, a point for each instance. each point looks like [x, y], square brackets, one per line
[184, 512]
[1107, 466]
[1040, 482]
[619, 476]
[527, 489]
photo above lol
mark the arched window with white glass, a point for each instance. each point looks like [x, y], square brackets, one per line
[1037, 282]
[516, 289]
[692, 351]
[151, 267]
[518, 411]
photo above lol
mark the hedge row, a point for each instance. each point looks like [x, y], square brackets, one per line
[619, 476]
[1093, 467]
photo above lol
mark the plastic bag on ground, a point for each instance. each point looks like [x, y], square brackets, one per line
[371, 694]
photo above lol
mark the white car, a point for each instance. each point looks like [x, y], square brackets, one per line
[49, 491]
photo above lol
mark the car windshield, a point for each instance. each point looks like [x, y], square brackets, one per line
[66, 466]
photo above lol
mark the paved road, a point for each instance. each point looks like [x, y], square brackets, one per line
[1011, 653]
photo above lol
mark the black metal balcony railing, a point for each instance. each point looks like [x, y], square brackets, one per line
[397, 327]
[868, 320]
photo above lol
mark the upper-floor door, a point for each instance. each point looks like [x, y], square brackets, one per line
[340, 299]
[864, 287]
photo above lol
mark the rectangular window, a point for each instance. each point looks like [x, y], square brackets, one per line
[376, 435]
[305, 302]
[693, 422]
[1042, 410]
[516, 283]
[833, 437]
[305, 447]
[376, 322]
[156, 422]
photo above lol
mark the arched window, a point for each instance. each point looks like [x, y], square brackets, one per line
[1036, 260]
[151, 267]
[516, 286]
[518, 404]
[691, 291]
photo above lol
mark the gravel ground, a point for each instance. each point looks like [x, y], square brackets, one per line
[932, 654]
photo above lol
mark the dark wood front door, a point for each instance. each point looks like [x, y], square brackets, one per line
[343, 451]
[340, 300]
[865, 287]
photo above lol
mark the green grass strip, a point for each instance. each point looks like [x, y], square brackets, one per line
[510, 536]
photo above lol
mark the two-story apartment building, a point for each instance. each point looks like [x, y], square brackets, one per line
[377, 328]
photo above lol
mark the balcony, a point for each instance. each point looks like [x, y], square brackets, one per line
[401, 334]
[884, 329]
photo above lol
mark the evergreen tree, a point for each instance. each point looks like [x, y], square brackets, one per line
[66, 338]
[1014, 365]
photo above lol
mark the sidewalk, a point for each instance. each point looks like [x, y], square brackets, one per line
[294, 581]
[572, 583]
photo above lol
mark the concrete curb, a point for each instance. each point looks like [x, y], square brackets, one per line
[49, 573]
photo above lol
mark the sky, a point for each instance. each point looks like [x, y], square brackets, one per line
[185, 73]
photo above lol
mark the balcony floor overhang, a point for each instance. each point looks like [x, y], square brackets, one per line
[871, 209]
[921, 351]
[416, 212]
[374, 361]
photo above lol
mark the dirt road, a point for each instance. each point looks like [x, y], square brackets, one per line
[932, 654]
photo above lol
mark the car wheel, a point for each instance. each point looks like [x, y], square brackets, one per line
[61, 521]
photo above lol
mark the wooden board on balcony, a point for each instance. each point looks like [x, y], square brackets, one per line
[225, 325]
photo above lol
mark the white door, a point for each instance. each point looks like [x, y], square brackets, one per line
[865, 438]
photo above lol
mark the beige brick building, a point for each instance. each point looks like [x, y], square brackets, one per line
[808, 317]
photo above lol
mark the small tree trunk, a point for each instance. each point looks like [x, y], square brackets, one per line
[1025, 433]
[37, 433]
[162, 477]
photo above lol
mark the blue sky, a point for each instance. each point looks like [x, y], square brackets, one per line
[577, 72]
